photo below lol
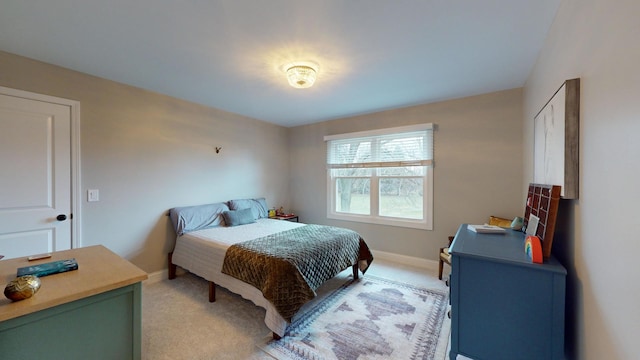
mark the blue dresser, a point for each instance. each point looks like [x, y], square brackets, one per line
[502, 305]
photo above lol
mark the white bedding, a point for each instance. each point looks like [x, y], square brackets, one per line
[202, 253]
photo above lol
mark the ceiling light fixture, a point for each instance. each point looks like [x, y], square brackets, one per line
[301, 76]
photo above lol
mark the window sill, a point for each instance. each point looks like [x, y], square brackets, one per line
[415, 224]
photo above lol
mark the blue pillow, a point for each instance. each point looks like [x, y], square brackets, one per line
[238, 217]
[258, 206]
[190, 218]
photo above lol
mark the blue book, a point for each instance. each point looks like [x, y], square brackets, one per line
[49, 268]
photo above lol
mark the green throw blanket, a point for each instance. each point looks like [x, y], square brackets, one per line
[290, 265]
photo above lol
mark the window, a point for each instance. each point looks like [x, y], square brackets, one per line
[382, 176]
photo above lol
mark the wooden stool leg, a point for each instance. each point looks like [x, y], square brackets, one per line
[440, 264]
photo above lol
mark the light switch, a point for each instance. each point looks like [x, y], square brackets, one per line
[93, 195]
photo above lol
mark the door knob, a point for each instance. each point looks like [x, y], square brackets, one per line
[61, 217]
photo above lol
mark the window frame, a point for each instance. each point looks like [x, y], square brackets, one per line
[426, 223]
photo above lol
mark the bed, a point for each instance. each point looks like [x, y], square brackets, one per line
[276, 264]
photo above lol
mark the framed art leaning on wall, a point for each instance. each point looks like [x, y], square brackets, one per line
[556, 140]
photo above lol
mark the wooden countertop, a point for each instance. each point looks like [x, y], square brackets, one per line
[99, 270]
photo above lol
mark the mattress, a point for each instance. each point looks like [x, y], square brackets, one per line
[202, 253]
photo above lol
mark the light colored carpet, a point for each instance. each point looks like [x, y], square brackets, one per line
[180, 323]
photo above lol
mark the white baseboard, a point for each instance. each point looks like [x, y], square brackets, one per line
[155, 277]
[406, 260]
[431, 265]
[158, 276]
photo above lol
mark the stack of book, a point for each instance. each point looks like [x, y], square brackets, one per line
[486, 229]
[49, 268]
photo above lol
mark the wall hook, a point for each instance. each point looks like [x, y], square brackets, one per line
[218, 148]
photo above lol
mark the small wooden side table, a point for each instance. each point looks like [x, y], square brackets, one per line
[287, 218]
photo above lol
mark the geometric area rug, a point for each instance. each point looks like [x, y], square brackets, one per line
[369, 318]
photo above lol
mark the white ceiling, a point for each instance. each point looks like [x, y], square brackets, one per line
[228, 54]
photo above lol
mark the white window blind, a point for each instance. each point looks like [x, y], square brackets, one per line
[397, 147]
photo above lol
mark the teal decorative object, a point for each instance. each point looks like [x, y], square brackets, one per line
[517, 223]
[22, 288]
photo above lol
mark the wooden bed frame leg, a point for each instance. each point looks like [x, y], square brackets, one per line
[276, 336]
[212, 291]
[355, 272]
[172, 267]
[172, 275]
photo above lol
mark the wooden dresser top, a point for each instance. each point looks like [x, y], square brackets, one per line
[99, 270]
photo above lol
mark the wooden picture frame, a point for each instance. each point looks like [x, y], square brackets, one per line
[542, 201]
[556, 140]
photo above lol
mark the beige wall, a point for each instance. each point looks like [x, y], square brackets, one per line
[477, 172]
[147, 153]
[597, 41]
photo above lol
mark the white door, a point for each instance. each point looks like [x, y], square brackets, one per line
[35, 176]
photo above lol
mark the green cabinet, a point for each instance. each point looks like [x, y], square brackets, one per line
[103, 326]
[94, 312]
